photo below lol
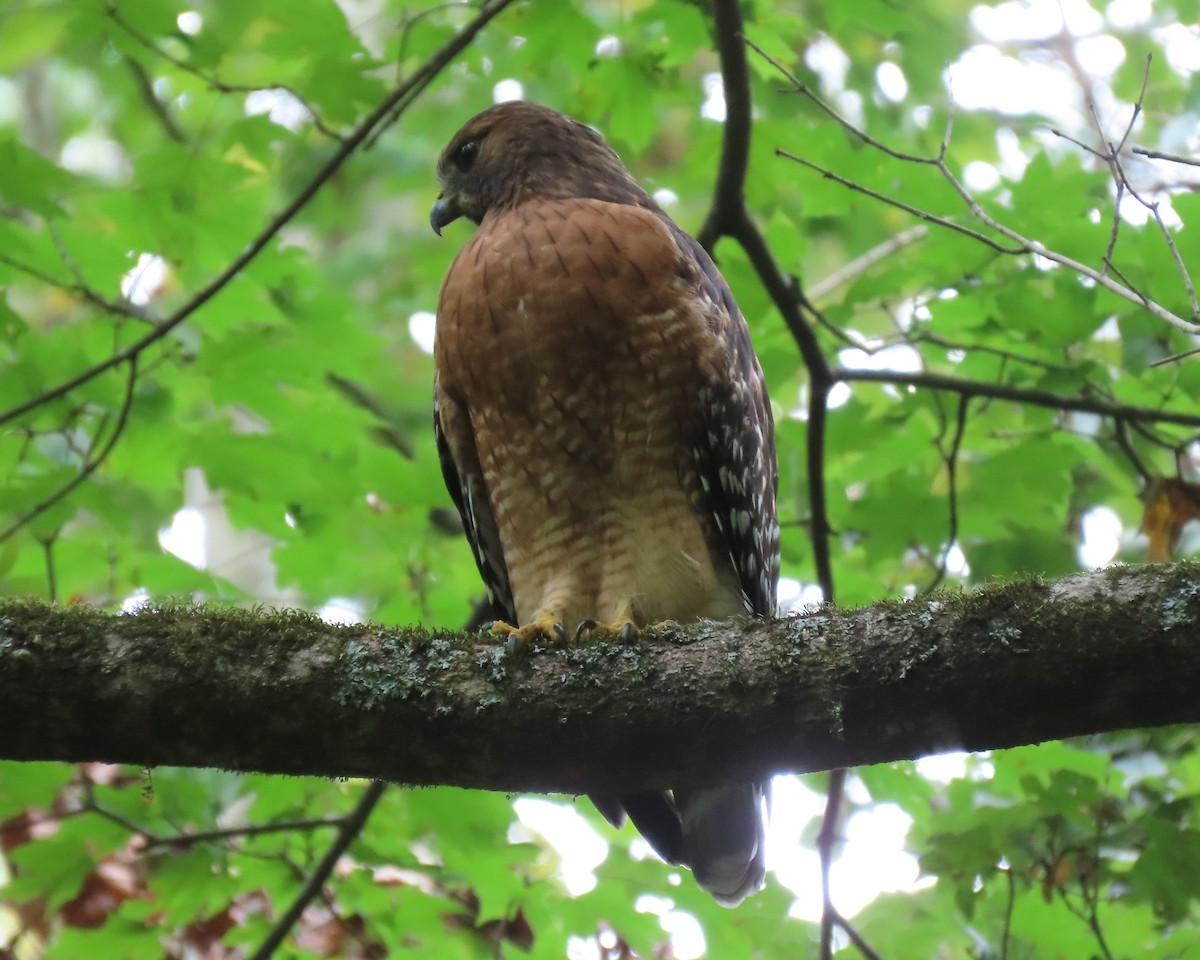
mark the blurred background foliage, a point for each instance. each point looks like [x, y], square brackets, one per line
[276, 446]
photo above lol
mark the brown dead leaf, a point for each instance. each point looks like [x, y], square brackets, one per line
[1170, 504]
[515, 930]
[1056, 877]
[323, 932]
[15, 831]
[202, 939]
[104, 889]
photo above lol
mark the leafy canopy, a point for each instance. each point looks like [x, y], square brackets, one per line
[1016, 402]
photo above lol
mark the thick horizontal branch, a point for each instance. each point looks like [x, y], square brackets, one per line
[1005, 665]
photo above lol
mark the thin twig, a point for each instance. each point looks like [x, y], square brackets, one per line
[906, 207]
[1010, 907]
[410, 22]
[1003, 391]
[348, 833]
[799, 86]
[861, 264]
[826, 840]
[1022, 244]
[118, 308]
[402, 96]
[1009, 356]
[1115, 230]
[1123, 441]
[856, 938]
[1112, 158]
[1137, 104]
[90, 465]
[29, 820]
[1091, 892]
[1172, 157]
[1176, 357]
[125, 307]
[1153, 207]
[237, 833]
[119, 819]
[145, 85]
[1085, 147]
[1147, 431]
[950, 458]
[404, 33]
[213, 82]
[51, 572]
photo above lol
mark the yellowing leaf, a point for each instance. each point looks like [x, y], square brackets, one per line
[1170, 503]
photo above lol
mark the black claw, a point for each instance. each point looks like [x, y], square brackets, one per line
[486, 626]
[627, 632]
[511, 643]
[584, 627]
[561, 632]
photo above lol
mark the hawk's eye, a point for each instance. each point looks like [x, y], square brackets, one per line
[465, 155]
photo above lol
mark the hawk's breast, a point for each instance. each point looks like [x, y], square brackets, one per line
[569, 332]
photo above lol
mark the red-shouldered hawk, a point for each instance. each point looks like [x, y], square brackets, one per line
[603, 426]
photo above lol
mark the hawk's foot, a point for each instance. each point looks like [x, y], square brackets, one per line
[544, 628]
[624, 628]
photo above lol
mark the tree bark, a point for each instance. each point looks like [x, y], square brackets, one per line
[285, 692]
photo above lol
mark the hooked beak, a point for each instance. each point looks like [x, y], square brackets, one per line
[445, 210]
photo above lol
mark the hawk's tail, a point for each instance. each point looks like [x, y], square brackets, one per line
[716, 831]
[724, 839]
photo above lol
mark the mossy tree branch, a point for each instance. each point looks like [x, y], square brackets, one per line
[1004, 665]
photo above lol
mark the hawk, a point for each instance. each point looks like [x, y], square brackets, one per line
[603, 427]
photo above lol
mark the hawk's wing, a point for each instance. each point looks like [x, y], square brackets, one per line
[464, 480]
[736, 456]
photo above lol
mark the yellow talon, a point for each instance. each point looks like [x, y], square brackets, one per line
[548, 629]
[624, 628]
[544, 627]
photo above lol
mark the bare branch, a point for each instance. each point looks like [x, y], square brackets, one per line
[145, 85]
[856, 938]
[906, 207]
[1002, 391]
[799, 86]
[91, 464]
[920, 335]
[1172, 157]
[1176, 357]
[213, 82]
[1112, 159]
[120, 308]
[312, 888]
[729, 197]
[827, 841]
[950, 459]
[1021, 244]
[861, 264]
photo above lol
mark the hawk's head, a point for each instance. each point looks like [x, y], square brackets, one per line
[516, 151]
